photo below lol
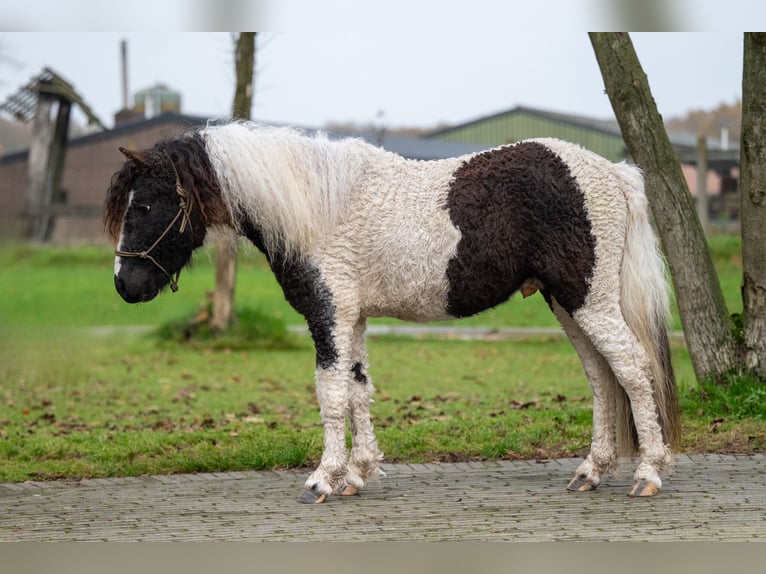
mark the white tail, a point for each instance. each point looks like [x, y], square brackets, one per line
[645, 301]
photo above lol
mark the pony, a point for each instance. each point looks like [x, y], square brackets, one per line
[352, 231]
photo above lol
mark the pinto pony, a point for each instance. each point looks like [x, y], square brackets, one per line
[352, 231]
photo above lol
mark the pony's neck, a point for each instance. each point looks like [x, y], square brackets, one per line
[291, 187]
[199, 180]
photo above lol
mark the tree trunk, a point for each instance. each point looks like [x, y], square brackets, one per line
[705, 319]
[753, 203]
[226, 250]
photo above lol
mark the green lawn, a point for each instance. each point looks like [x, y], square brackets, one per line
[44, 286]
[77, 400]
[74, 287]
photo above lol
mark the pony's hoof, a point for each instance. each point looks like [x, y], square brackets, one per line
[643, 487]
[312, 496]
[346, 490]
[580, 483]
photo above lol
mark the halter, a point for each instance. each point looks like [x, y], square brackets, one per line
[184, 210]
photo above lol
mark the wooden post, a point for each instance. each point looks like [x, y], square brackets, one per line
[37, 165]
[54, 170]
[702, 198]
[46, 162]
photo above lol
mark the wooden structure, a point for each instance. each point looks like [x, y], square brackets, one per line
[46, 101]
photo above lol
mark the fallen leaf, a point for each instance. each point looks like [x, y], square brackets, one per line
[254, 420]
[185, 395]
[519, 405]
[715, 424]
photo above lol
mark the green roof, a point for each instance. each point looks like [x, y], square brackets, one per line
[520, 123]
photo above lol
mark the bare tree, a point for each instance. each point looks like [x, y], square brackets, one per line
[753, 203]
[226, 250]
[705, 319]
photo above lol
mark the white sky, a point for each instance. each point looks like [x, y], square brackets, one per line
[487, 57]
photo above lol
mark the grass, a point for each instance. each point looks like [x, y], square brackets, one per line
[77, 400]
[134, 406]
[53, 287]
[49, 287]
[740, 398]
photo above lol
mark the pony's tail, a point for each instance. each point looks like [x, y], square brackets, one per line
[645, 301]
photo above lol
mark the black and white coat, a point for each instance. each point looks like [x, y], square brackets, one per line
[352, 231]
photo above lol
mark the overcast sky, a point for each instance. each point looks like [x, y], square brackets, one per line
[415, 75]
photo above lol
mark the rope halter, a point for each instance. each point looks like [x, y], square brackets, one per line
[184, 211]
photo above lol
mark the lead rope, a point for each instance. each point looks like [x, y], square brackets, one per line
[183, 209]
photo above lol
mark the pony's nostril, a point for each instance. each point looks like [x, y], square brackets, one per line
[119, 284]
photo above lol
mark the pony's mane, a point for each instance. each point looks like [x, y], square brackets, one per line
[116, 201]
[187, 152]
[292, 186]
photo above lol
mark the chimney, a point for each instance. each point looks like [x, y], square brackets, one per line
[126, 115]
[124, 64]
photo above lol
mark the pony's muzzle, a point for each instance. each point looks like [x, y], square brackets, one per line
[133, 294]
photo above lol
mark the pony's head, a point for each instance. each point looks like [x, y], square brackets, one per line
[155, 216]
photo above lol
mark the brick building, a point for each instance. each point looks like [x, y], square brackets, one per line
[90, 162]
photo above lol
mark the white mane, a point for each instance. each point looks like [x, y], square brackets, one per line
[292, 186]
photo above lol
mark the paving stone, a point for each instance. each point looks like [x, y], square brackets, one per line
[718, 497]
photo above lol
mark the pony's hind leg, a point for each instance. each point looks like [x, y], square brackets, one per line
[364, 460]
[603, 452]
[606, 328]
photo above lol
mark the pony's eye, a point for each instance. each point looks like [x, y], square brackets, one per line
[145, 208]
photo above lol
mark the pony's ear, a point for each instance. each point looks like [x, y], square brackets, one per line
[137, 156]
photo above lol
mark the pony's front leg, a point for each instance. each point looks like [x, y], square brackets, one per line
[332, 394]
[365, 456]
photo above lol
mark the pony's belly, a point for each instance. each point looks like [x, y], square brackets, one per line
[406, 296]
[413, 310]
[406, 278]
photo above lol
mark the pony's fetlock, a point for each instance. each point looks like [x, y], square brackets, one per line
[587, 477]
[363, 467]
[649, 473]
[325, 481]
